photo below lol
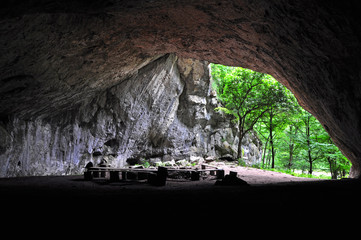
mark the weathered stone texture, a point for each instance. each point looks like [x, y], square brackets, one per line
[161, 113]
[57, 54]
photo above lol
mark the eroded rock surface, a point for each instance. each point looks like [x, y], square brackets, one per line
[56, 55]
[162, 113]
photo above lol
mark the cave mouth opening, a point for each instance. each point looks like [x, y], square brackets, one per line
[314, 55]
[293, 140]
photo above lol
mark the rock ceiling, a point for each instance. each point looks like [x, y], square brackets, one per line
[56, 54]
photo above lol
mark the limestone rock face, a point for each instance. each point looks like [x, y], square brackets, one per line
[56, 55]
[163, 112]
[128, 120]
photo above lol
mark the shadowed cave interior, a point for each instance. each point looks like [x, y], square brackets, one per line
[130, 79]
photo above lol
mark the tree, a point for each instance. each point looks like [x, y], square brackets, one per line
[291, 139]
[310, 148]
[259, 103]
[275, 119]
[313, 136]
[331, 155]
[245, 94]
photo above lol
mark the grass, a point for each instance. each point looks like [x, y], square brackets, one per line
[291, 172]
[287, 171]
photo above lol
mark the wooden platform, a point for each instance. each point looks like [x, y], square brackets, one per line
[150, 174]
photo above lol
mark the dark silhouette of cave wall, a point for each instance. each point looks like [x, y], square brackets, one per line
[56, 54]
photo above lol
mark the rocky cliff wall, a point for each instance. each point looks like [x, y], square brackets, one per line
[165, 111]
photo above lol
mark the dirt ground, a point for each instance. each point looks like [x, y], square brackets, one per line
[254, 176]
[266, 190]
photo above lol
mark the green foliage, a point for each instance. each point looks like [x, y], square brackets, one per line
[292, 138]
[238, 89]
[246, 95]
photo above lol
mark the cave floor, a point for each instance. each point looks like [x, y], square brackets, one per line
[66, 192]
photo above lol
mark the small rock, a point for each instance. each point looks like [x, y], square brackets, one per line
[210, 159]
[182, 163]
[197, 160]
[169, 163]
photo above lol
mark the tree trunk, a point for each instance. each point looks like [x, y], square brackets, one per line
[271, 136]
[308, 135]
[333, 168]
[240, 138]
[309, 157]
[264, 152]
[239, 151]
[291, 156]
[291, 147]
[269, 158]
[273, 154]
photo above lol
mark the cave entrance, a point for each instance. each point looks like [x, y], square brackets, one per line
[312, 51]
[292, 140]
